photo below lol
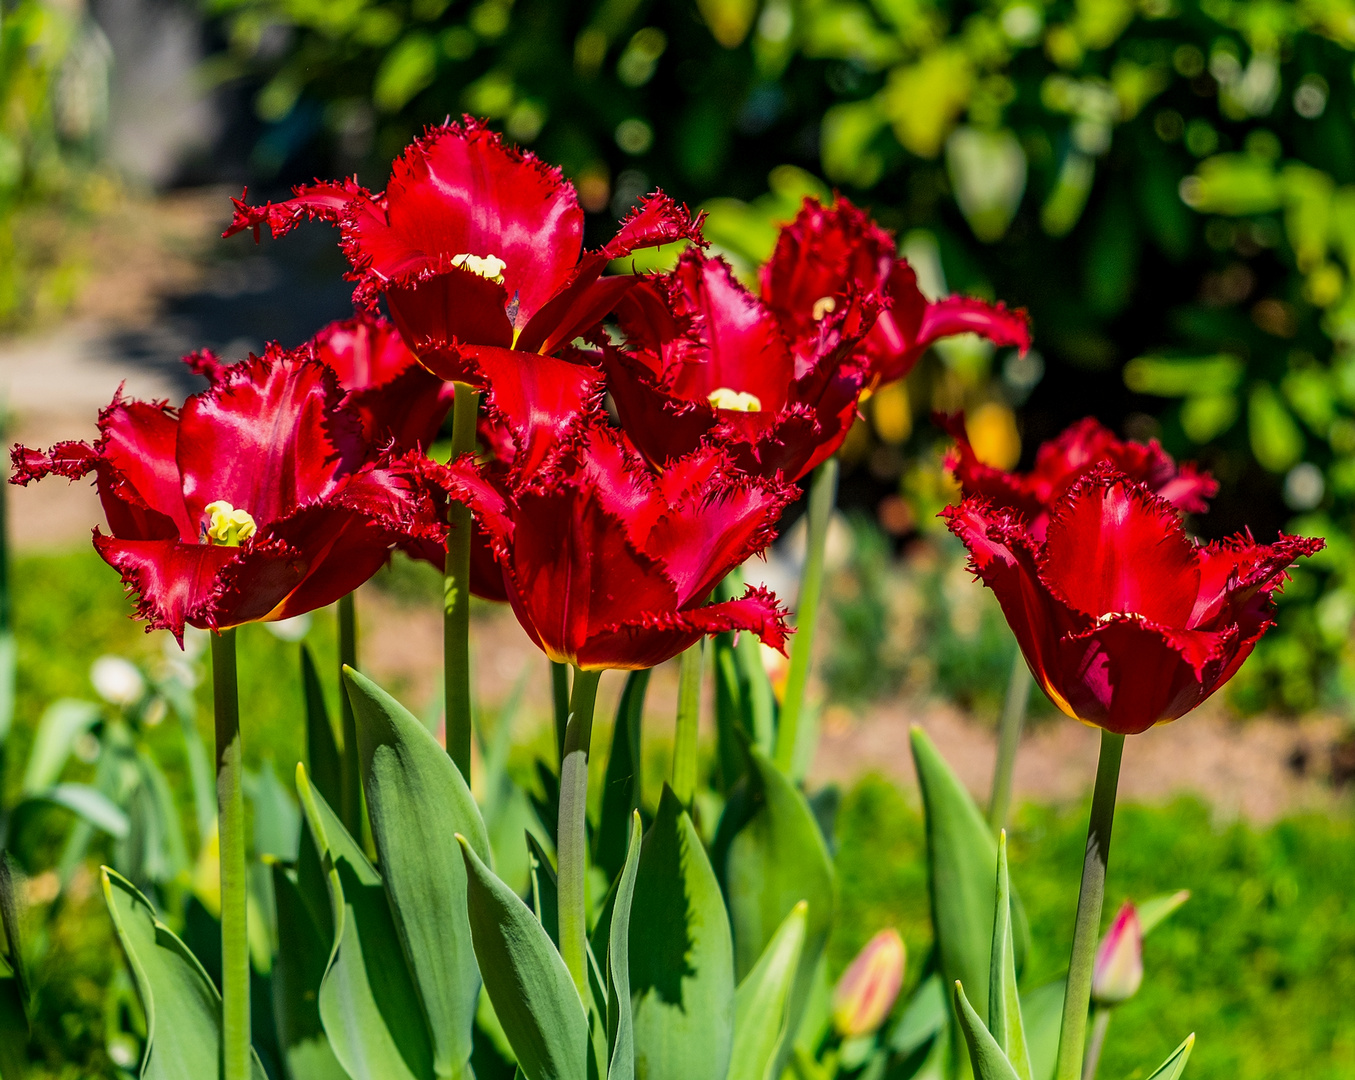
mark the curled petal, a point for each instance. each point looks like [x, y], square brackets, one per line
[1237, 572]
[975, 478]
[322, 200]
[655, 221]
[206, 363]
[70, 459]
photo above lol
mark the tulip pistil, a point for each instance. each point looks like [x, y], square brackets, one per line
[485, 266]
[735, 400]
[228, 526]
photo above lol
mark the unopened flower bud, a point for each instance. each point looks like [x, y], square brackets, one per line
[1119, 959]
[868, 988]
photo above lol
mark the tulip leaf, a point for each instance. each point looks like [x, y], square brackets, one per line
[924, 1016]
[182, 1007]
[681, 955]
[324, 761]
[986, 1056]
[621, 789]
[545, 893]
[776, 858]
[1004, 1000]
[762, 1000]
[417, 801]
[10, 945]
[961, 854]
[13, 1032]
[297, 973]
[62, 723]
[1153, 912]
[369, 1004]
[90, 805]
[526, 980]
[1174, 1066]
[620, 1020]
[1042, 1013]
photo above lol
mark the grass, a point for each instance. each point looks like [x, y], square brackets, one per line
[1260, 963]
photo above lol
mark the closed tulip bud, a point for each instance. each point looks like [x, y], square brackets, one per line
[1119, 960]
[868, 988]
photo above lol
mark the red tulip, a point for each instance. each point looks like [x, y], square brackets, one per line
[258, 500]
[827, 250]
[707, 360]
[478, 249]
[608, 565]
[1123, 619]
[1061, 462]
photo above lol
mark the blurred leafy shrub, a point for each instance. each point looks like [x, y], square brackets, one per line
[54, 64]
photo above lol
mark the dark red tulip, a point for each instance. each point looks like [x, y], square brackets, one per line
[828, 251]
[609, 565]
[1061, 462]
[478, 250]
[1124, 620]
[705, 359]
[258, 500]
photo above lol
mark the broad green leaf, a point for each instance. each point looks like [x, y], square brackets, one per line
[533, 994]
[323, 758]
[681, 955]
[987, 1058]
[90, 805]
[369, 1005]
[303, 952]
[418, 801]
[776, 859]
[1174, 1066]
[545, 897]
[182, 1007]
[1004, 1000]
[62, 723]
[620, 1020]
[1042, 1011]
[924, 1016]
[1153, 911]
[621, 789]
[277, 821]
[762, 1000]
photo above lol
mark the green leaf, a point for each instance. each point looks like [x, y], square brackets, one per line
[961, 854]
[62, 723]
[620, 1020]
[417, 801]
[90, 805]
[529, 985]
[182, 1007]
[9, 655]
[776, 859]
[1042, 1011]
[1174, 1066]
[323, 758]
[9, 929]
[989, 1062]
[681, 955]
[545, 896]
[1004, 1000]
[621, 789]
[1154, 911]
[924, 1016]
[369, 1005]
[299, 969]
[13, 1032]
[762, 1000]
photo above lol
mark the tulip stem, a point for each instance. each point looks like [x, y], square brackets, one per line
[456, 593]
[1008, 741]
[571, 839]
[1100, 1022]
[1086, 930]
[230, 802]
[688, 719]
[559, 687]
[822, 495]
[349, 771]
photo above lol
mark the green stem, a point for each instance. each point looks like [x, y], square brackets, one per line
[559, 687]
[1008, 741]
[230, 802]
[1100, 1021]
[571, 839]
[822, 495]
[456, 594]
[1086, 930]
[349, 768]
[688, 718]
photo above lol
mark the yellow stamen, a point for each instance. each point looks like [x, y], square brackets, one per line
[735, 400]
[486, 266]
[824, 305]
[228, 526]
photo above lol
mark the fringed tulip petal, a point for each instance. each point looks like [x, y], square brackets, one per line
[320, 201]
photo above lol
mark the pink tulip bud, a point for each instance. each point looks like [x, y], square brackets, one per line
[868, 988]
[1119, 959]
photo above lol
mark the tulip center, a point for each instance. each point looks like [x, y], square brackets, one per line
[487, 266]
[735, 400]
[228, 526]
[823, 306]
